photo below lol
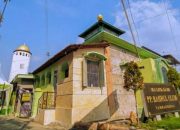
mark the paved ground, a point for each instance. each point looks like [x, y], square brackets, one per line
[11, 123]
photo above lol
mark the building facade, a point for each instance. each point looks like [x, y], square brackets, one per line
[153, 71]
[76, 97]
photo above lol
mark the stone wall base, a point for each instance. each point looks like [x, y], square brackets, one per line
[45, 116]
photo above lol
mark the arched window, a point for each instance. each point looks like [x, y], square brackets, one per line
[48, 77]
[164, 74]
[65, 70]
[43, 80]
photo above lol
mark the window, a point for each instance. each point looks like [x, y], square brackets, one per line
[164, 73]
[64, 70]
[21, 66]
[93, 70]
[93, 73]
[55, 79]
[48, 77]
[43, 80]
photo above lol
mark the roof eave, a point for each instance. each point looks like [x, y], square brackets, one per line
[124, 44]
[66, 51]
[103, 23]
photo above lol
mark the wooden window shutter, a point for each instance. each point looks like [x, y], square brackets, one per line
[85, 82]
[101, 69]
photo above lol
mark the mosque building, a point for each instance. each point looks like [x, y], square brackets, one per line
[84, 82]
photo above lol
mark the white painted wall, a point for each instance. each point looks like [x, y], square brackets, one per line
[20, 63]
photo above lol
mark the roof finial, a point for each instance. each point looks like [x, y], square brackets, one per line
[100, 17]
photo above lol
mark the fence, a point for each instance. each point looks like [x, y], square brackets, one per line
[47, 100]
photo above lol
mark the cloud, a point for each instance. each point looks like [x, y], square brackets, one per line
[152, 25]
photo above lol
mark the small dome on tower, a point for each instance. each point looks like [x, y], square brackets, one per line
[23, 47]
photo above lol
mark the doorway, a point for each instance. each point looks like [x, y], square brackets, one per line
[26, 103]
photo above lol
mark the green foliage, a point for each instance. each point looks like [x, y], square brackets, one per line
[133, 77]
[2, 112]
[173, 77]
[169, 123]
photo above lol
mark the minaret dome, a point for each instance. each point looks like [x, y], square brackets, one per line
[23, 47]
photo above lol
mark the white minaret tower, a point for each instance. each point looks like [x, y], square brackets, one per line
[20, 61]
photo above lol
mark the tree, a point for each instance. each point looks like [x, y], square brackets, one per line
[3, 10]
[133, 79]
[173, 77]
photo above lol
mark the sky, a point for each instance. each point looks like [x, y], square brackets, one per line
[27, 21]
